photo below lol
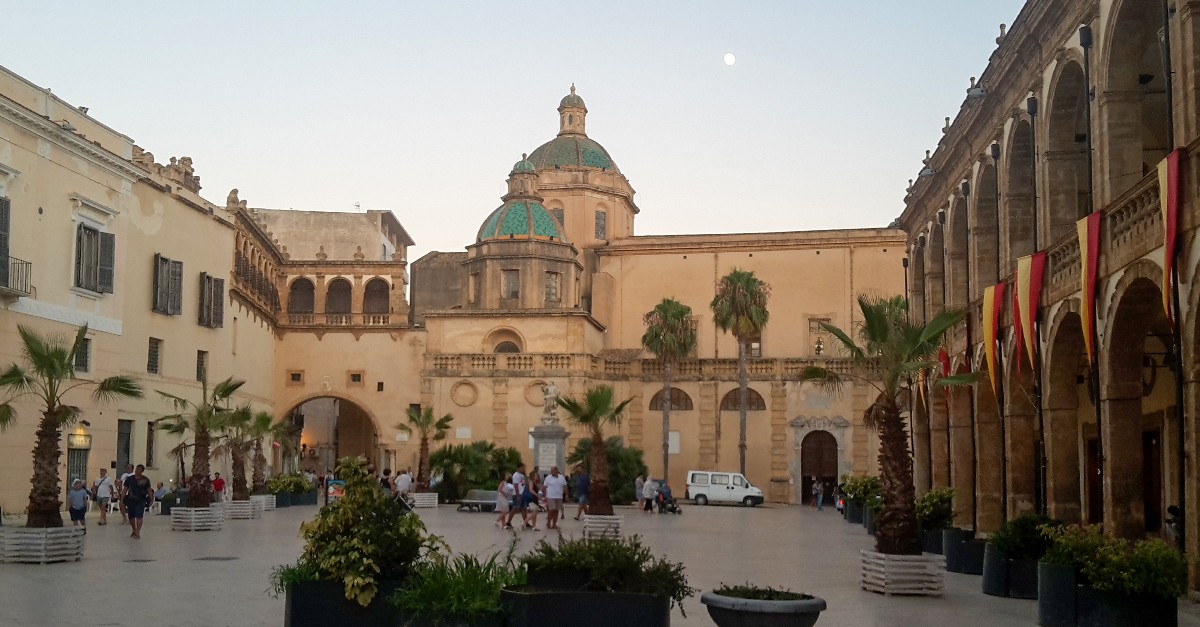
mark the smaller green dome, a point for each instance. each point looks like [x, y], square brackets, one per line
[524, 165]
[521, 219]
[571, 100]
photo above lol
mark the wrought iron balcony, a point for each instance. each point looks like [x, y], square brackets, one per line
[14, 276]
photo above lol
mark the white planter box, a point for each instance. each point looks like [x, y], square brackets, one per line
[41, 546]
[425, 499]
[903, 574]
[267, 500]
[243, 510]
[197, 518]
[602, 526]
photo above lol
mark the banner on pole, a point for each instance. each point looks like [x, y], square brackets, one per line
[1088, 229]
[1168, 202]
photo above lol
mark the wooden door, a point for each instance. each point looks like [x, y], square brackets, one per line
[1152, 479]
[818, 458]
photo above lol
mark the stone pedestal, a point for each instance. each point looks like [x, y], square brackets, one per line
[549, 446]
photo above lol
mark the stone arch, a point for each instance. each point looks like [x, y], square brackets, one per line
[1065, 371]
[985, 231]
[1133, 104]
[338, 296]
[1021, 427]
[680, 401]
[301, 296]
[376, 297]
[355, 429]
[1017, 210]
[499, 335]
[1140, 269]
[935, 271]
[818, 458]
[754, 401]
[957, 250]
[802, 426]
[1066, 151]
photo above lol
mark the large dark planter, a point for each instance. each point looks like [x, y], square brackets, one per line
[734, 612]
[1023, 579]
[558, 579]
[869, 520]
[283, 499]
[931, 542]
[525, 606]
[1104, 609]
[1056, 595]
[303, 498]
[854, 512]
[995, 572]
[322, 603]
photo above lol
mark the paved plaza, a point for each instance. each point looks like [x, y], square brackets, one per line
[175, 578]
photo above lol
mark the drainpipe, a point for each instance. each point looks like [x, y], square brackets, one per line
[966, 192]
[995, 149]
[1039, 467]
[1085, 42]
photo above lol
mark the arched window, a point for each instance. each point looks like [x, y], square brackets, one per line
[754, 400]
[337, 297]
[679, 400]
[375, 300]
[507, 347]
[300, 297]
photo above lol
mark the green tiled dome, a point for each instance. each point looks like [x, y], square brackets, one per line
[523, 165]
[521, 219]
[571, 100]
[572, 151]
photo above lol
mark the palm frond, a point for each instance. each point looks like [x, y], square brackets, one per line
[16, 379]
[848, 345]
[8, 415]
[941, 323]
[959, 380]
[824, 378]
[118, 387]
[181, 404]
[225, 389]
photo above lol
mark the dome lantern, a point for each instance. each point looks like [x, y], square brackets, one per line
[571, 114]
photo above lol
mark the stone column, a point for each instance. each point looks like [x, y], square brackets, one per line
[319, 287]
[961, 453]
[989, 461]
[921, 470]
[780, 489]
[500, 415]
[636, 420]
[709, 416]
[1062, 453]
[1123, 499]
[939, 471]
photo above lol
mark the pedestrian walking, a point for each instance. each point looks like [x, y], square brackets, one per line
[121, 491]
[533, 499]
[504, 499]
[138, 494]
[648, 489]
[403, 484]
[218, 487]
[638, 485]
[77, 501]
[385, 482]
[102, 494]
[582, 487]
[818, 493]
[555, 487]
[518, 483]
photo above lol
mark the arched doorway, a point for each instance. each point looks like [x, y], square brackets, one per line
[327, 429]
[1070, 426]
[818, 458]
[1021, 427]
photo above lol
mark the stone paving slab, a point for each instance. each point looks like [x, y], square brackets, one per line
[175, 578]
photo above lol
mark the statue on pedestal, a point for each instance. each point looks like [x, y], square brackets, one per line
[549, 403]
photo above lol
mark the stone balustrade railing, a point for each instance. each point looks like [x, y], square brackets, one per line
[497, 364]
[342, 320]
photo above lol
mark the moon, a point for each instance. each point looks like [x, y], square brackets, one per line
[730, 59]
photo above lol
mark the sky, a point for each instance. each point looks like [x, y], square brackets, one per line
[422, 108]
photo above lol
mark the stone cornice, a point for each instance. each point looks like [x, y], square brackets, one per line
[514, 314]
[68, 141]
[826, 240]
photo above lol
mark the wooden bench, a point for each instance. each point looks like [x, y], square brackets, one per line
[478, 501]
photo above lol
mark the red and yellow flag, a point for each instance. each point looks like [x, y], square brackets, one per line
[1168, 202]
[1089, 262]
[993, 302]
[1030, 272]
[1017, 330]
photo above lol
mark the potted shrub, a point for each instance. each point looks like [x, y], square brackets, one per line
[281, 487]
[858, 491]
[301, 490]
[463, 591]
[755, 606]
[871, 512]
[327, 586]
[1070, 548]
[964, 552]
[623, 584]
[1011, 556]
[935, 513]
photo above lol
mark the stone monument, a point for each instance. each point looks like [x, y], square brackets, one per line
[549, 438]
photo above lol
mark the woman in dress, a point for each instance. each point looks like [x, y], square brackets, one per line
[504, 496]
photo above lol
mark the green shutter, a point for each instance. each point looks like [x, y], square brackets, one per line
[108, 258]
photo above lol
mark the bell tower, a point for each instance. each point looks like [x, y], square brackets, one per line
[571, 114]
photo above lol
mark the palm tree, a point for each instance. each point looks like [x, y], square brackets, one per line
[239, 434]
[179, 454]
[427, 428]
[740, 307]
[283, 433]
[202, 419]
[595, 412]
[892, 349]
[49, 379]
[671, 336]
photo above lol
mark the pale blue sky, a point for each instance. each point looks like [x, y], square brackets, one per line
[423, 107]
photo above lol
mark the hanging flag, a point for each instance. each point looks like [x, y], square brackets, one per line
[1017, 329]
[1030, 272]
[1089, 262]
[993, 301]
[921, 387]
[1168, 203]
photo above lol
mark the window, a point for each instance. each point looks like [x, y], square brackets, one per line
[150, 444]
[212, 301]
[754, 346]
[83, 357]
[754, 401]
[301, 297]
[375, 298]
[474, 288]
[699, 479]
[739, 481]
[95, 257]
[507, 347]
[201, 365]
[558, 215]
[510, 284]
[356, 377]
[337, 297]
[720, 479]
[154, 356]
[814, 325]
[168, 286]
[601, 225]
[679, 400]
[379, 386]
[296, 376]
[552, 282]
[5, 212]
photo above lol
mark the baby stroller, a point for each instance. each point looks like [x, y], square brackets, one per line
[666, 501]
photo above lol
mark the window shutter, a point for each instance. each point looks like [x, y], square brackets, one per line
[218, 303]
[108, 258]
[5, 264]
[78, 255]
[205, 299]
[156, 303]
[175, 304]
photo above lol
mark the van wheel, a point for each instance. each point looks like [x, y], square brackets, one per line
[748, 502]
[701, 499]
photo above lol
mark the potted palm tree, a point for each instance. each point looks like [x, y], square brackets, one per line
[237, 441]
[283, 433]
[595, 412]
[757, 606]
[49, 379]
[740, 307]
[204, 420]
[426, 427]
[891, 349]
[671, 336]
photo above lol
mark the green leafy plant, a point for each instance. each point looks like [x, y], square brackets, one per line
[449, 591]
[862, 488]
[935, 509]
[597, 410]
[614, 565]
[625, 464]
[462, 467]
[1024, 537]
[760, 593]
[671, 336]
[1072, 545]
[1147, 567]
[359, 540]
[291, 483]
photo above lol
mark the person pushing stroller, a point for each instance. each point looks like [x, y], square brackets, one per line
[666, 500]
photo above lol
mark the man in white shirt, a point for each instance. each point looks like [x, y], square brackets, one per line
[403, 484]
[555, 486]
[103, 490]
[518, 503]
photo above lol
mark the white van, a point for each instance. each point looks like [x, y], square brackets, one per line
[705, 487]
